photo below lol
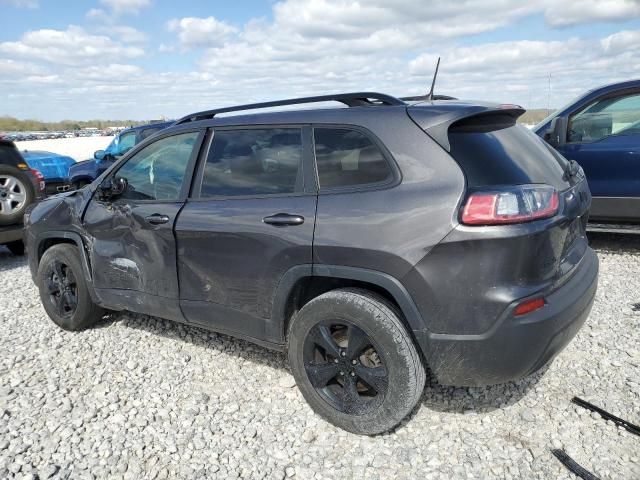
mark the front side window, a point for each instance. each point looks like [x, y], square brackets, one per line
[347, 158]
[606, 117]
[157, 171]
[253, 162]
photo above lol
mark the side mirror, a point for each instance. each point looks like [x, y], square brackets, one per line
[557, 133]
[99, 154]
[111, 188]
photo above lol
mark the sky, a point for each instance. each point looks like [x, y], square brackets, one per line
[147, 59]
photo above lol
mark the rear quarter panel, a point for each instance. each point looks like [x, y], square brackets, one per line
[391, 229]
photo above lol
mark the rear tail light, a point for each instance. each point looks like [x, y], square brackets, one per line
[517, 204]
[40, 178]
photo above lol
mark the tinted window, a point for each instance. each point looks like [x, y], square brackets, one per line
[253, 162]
[604, 117]
[157, 171]
[348, 158]
[498, 154]
[148, 132]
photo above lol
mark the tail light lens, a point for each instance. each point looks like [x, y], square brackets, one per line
[518, 204]
[40, 178]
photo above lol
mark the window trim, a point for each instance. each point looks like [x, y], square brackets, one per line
[619, 94]
[396, 175]
[300, 190]
[189, 172]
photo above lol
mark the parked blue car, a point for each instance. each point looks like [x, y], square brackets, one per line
[601, 132]
[83, 173]
[54, 168]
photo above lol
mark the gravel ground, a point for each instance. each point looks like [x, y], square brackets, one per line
[139, 397]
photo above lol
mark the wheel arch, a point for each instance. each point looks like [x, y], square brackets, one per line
[302, 283]
[46, 240]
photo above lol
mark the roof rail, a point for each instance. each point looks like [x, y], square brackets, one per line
[356, 99]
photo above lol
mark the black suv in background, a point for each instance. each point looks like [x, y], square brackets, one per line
[371, 243]
[20, 186]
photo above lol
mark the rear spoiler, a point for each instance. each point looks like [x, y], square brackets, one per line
[437, 119]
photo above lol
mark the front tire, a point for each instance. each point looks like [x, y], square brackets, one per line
[63, 289]
[354, 361]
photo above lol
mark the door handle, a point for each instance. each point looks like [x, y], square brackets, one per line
[283, 220]
[157, 219]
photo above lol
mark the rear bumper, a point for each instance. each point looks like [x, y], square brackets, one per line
[515, 346]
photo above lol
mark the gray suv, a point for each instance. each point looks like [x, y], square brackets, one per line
[372, 243]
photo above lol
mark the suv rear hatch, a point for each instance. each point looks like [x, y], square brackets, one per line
[516, 253]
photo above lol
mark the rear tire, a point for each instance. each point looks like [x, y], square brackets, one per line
[17, 247]
[354, 361]
[16, 194]
[63, 289]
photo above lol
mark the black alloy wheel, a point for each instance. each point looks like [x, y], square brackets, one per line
[62, 289]
[344, 367]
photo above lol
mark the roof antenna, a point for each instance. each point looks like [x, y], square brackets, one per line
[433, 83]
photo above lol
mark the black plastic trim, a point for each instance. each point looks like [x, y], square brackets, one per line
[356, 99]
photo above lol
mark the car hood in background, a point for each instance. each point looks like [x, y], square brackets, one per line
[50, 164]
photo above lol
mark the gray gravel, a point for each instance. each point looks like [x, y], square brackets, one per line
[139, 397]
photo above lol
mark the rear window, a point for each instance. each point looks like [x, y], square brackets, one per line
[347, 158]
[494, 152]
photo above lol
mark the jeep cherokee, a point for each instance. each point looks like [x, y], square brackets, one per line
[371, 243]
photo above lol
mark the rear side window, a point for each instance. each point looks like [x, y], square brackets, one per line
[148, 132]
[253, 162]
[493, 152]
[348, 158]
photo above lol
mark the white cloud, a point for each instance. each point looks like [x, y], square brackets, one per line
[620, 42]
[68, 47]
[44, 79]
[98, 14]
[125, 33]
[125, 7]
[319, 46]
[567, 13]
[200, 32]
[11, 69]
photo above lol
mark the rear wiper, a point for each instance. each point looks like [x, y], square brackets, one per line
[571, 169]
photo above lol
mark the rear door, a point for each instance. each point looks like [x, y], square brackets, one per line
[604, 138]
[251, 219]
[132, 246]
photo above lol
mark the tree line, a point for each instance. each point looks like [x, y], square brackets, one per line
[10, 124]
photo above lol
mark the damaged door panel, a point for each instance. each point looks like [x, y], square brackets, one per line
[130, 222]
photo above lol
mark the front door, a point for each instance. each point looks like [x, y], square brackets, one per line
[132, 244]
[604, 138]
[251, 220]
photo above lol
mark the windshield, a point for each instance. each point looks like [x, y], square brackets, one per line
[553, 114]
[121, 144]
